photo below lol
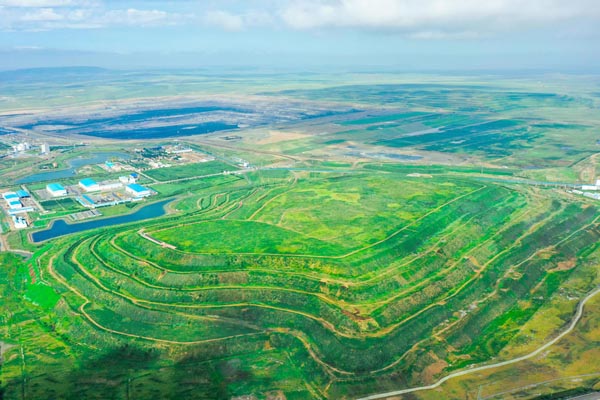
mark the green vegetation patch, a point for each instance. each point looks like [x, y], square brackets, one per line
[357, 210]
[66, 204]
[189, 170]
[225, 236]
[42, 295]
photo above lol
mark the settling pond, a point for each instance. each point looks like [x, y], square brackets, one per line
[61, 228]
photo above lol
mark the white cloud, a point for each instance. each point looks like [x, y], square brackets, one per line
[40, 3]
[419, 19]
[42, 14]
[236, 22]
[135, 17]
[85, 15]
[224, 20]
[435, 18]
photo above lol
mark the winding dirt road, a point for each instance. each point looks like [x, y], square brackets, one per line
[534, 353]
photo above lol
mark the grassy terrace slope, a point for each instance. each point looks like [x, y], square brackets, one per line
[337, 283]
[336, 216]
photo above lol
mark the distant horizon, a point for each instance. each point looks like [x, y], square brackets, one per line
[400, 34]
[316, 69]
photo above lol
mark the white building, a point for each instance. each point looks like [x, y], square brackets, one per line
[131, 178]
[19, 222]
[595, 196]
[44, 148]
[89, 185]
[21, 147]
[12, 200]
[9, 195]
[138, 190]
[15, 204]
[56, 189]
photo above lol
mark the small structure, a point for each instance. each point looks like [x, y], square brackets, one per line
[15, 204]
[595, 196]
[56, 189]
[109, 164]
[131, 178]
[589, 187]
[19, 222]
[44, 148]
[24, 146]
[89, 185]
[137, 190]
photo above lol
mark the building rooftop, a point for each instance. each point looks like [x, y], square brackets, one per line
[55, 186]
[88, 182]
[88, 199]
[22, 193]
[10, 195]
[137, 187]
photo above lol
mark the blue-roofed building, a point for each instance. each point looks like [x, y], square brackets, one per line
[22, 194]
[89, 185]
[138, 190]
[56, 189]
[10, 196]
[15, 204]
[12, 199]
[86, 201]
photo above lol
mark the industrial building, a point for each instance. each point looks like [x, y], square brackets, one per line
[12, 199]
[131, 178]
[9, 195]
[19, 222]
[138, 190]
[86, 201]
[56, 189]
[89, 185]
[23, 194]
[24, 146]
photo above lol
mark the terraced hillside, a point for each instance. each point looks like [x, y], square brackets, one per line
[314, 284]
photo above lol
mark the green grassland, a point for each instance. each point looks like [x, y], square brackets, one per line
[320, 285]
[325, 273]
[189, 170]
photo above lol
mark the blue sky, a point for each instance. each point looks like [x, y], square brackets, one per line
[399, 34]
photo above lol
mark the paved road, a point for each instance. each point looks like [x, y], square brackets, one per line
[534, 353]
[589, 396]
[530, 182]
